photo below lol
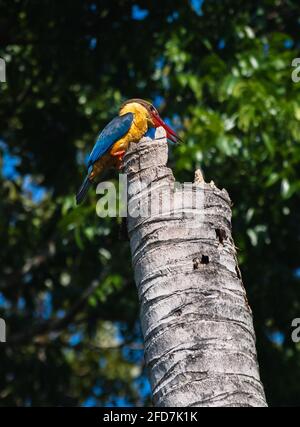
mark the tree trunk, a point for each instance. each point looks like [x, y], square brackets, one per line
[197, 325]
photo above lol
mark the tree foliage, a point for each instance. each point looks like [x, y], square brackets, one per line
[221, 72]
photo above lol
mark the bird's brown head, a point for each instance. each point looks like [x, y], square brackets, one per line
[153, 117]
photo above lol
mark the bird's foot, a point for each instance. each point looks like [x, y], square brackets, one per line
[119, 155]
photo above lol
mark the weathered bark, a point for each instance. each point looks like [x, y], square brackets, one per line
[197, 324]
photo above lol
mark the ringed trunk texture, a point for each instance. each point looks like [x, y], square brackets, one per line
[196, 322]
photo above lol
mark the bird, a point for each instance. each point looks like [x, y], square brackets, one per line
[136, 117]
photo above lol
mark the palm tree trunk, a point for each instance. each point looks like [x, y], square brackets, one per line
[196, 322]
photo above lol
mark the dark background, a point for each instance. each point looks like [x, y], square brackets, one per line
[220, 72]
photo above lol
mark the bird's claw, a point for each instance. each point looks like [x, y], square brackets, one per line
[119, 164]
[119, 155]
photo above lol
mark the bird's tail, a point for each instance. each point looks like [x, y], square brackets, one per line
[82, 192]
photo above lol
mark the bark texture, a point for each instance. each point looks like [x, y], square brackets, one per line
[196, 321]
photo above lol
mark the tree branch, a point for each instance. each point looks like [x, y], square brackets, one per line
[56, 325]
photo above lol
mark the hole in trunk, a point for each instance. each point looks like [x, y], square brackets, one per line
[204, 259]
[197, 262]
[221, 235]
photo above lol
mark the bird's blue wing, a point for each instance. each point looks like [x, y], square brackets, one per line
[112, 132]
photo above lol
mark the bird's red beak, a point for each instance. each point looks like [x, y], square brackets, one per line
[171, 135]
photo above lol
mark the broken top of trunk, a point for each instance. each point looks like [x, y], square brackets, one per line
[197, 325]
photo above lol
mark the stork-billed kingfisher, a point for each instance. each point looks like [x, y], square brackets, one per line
[135, 117]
